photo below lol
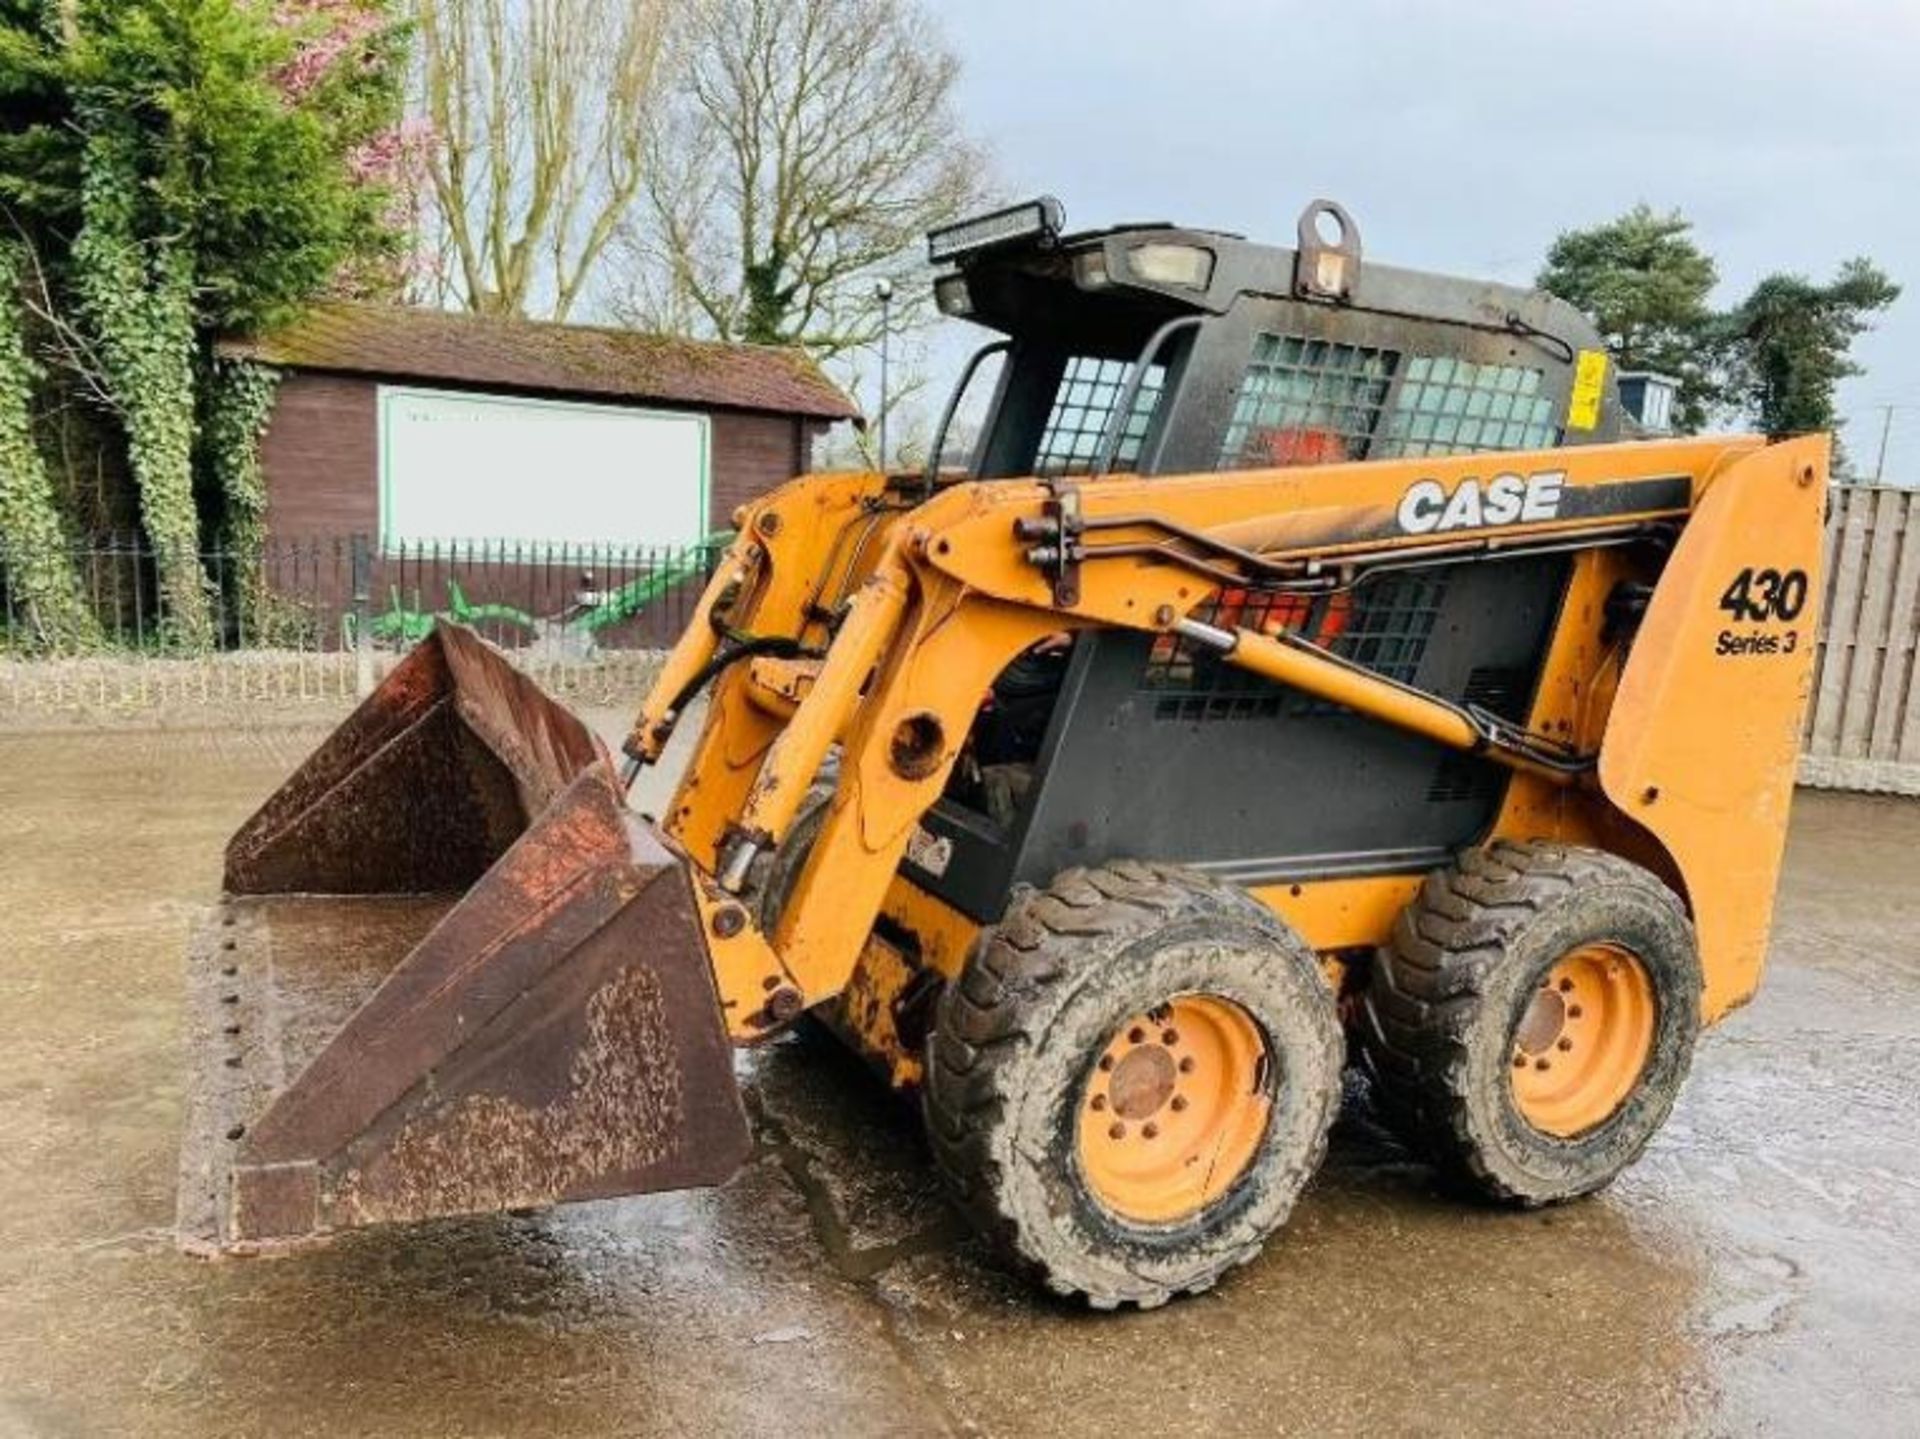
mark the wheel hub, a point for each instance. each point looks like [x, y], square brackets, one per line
[1174, 1109]
[1142, 1082]
[1583, 1042]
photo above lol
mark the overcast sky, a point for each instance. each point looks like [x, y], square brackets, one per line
[1463, 135]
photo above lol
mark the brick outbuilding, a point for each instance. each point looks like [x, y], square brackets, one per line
[413, 426]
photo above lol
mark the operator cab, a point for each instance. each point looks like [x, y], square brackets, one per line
[1156, 349]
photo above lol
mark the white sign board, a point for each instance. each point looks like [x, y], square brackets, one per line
[492, 468]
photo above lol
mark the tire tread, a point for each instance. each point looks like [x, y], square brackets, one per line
[996, 1012]
[1431, 977]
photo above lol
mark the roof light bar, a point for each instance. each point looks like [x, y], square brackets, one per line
[1040, 219]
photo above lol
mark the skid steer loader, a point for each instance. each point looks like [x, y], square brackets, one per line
[1306, 661]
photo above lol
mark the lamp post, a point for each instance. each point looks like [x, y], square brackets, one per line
[883, 292]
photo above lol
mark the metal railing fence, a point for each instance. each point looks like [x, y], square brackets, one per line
[321, 617]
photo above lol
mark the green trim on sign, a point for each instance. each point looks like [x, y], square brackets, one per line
[391, 394]
[384, 480]
[706, 477]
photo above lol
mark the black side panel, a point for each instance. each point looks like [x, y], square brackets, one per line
[1154, 753]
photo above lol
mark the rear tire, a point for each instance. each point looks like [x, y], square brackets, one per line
[1096, 1143]
[1530, 1023]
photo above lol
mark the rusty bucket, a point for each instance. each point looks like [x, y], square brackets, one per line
[451, 973]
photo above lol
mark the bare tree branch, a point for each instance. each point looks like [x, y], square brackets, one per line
[68, 345]
[802, 150]
[541, 111]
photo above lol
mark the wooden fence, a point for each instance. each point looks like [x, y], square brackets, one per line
[1863, 728]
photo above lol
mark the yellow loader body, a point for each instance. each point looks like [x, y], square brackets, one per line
[1496, 747]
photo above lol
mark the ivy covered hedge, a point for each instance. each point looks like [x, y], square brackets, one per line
[34, 542]
[175, 170]
[239, 402]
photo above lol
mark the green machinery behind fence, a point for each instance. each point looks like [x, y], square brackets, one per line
[400, 625]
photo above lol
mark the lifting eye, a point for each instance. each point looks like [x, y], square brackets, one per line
[917, 743]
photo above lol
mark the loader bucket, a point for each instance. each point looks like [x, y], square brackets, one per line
[451, 973]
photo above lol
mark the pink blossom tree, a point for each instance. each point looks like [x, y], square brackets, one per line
[346, 63]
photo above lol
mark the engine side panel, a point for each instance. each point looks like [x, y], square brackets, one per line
[1156, 752]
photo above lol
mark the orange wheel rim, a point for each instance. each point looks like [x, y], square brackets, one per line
[1582, 1045]
[1174, 1110]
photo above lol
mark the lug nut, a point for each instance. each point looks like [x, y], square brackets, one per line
[1566, 986]
[1574, 1011]
[1186, 1065]
[1179, 1103]
[1099, 1101]
[1136, 1035]
[1151, 1131]
[1117, 1131]
[1106, 1061]
[1564, 1045]
[1170, 1037]
[1542, 1064]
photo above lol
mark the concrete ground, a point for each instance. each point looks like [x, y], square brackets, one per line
[1757, 1272]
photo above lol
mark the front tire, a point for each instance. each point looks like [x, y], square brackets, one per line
[1132, 1081]
[1531, 1021]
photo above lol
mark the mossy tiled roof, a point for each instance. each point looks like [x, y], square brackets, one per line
[398, 343]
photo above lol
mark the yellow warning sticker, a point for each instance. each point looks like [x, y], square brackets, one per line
[1589, 383]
